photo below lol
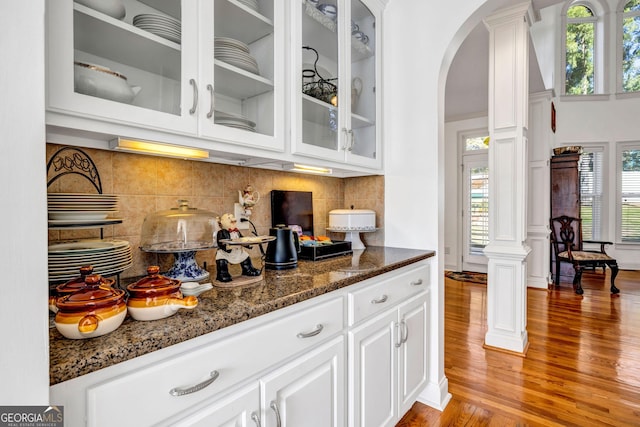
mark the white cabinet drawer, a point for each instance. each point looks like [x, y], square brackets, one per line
[380, 296]
[143, 397]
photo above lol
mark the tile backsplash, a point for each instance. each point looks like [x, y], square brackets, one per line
[146, 184]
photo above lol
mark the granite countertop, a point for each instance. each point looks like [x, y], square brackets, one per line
[221, 307]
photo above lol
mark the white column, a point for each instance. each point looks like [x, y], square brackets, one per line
[508, 121]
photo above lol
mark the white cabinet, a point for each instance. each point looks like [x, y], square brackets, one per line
[239, 409]
[336, 73]
[318, 363]
[309, 392]
[184, 378]
[388, 352]
[372, 345]
[185, 82]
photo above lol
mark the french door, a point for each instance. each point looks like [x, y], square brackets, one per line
[475, 214]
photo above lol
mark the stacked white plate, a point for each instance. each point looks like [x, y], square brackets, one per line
[79, 208]
[233, 120]
[236, 53]
[108, 257]
[162, 26]
[251, 4]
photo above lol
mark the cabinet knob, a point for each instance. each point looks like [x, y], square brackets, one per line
[416, 282]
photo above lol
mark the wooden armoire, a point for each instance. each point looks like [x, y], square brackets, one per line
[565, 198]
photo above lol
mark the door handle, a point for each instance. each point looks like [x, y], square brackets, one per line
[399, 343]
[273, 405]
[193, 83]
[255, 418]
[210, 113]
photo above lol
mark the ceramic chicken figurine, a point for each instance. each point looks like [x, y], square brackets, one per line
[231, 254]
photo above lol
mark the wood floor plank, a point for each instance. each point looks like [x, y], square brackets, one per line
[582, 367]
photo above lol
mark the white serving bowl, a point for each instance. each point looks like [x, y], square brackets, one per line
[113, 8]
[96, 80]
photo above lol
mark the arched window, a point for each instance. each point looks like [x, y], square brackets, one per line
[583, 48]
[629, 68]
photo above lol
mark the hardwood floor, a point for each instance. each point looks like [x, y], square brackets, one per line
[582, 367]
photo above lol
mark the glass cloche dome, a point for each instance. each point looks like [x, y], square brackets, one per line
[182, 228]
[182, 231]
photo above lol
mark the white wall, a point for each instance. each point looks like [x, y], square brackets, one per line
[420, 40]
[24, 320]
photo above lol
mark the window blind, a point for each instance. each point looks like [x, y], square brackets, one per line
[630, 196]
[591, 175]
[478, 209]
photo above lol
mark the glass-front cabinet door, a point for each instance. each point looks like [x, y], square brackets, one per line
[128, 62]
[336, 66]
[242, 54]
[207, 68]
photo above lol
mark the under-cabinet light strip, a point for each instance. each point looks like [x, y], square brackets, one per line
[149, 147]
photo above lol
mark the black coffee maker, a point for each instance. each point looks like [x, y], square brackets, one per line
[282, 253]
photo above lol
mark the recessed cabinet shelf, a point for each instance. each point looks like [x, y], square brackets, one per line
[238, 83]
[316, 111]
[121, 42]
[327, 45]
[358, 121]
[237, 21]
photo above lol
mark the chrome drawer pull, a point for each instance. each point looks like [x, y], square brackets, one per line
[380, 300]
[255, 418]
[274, 406]
[417, 282]
[181, 391]
[193, 83]
[313, 333]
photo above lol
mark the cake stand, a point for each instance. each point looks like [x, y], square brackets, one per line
[353, 235]
[185, 268]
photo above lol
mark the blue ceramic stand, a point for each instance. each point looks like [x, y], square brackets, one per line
[186, 269]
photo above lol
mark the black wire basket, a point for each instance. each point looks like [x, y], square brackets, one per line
[316, 86]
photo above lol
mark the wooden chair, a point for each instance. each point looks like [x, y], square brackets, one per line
[566, 237]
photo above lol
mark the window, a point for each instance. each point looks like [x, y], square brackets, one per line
[476, 199]
[631, 46]
[580, 50]
[629, 193]
[591, 193]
